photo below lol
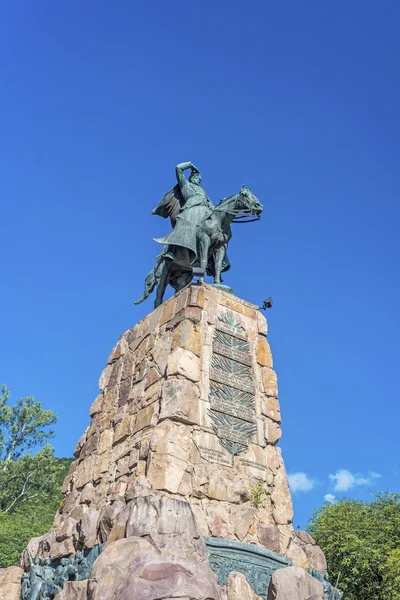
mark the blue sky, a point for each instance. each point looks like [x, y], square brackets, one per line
[299, 100]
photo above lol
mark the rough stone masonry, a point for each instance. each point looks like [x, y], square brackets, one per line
[182, 443]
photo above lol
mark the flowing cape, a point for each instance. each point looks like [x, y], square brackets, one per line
[170, 205]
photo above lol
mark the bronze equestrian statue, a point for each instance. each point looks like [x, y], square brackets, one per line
[200, 235]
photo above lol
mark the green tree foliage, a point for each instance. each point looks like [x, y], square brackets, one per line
[23, 426]
[391, 576]
[32, 517]
[32, 477]
[29, 483]
[361, 541]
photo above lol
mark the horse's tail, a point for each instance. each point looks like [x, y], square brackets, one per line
[149, 285]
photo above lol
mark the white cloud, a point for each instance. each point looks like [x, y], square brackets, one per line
[345, 480]
[374, 475]
[300, 482]
[330, 498]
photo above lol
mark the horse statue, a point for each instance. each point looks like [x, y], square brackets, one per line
[200, 236]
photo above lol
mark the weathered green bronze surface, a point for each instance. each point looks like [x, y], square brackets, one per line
[201, 232]
[256, 563]
[45, 581]
[331, 592]
[231, 385]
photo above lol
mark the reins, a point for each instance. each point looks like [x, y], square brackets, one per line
[247, 211]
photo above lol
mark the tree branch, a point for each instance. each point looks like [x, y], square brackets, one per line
[23, 491]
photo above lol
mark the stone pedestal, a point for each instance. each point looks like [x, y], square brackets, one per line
[187, 407]
[181, 446]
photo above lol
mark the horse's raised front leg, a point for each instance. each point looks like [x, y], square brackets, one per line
[163, 282]
[219, 257]
[204, 246]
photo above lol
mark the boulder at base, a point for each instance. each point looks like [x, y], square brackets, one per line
[293, 583]
[10, 583]
[73, 590]
[131, 568]
[237, 588]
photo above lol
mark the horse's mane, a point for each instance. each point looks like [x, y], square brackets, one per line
[225, 200]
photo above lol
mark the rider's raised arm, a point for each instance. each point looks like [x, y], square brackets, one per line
[183, 183]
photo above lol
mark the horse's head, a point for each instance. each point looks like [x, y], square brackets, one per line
[248, 202]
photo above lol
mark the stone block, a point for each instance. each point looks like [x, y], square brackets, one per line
[128, 368]
[105, 440]
[182, 300]
[89, 524]
[225, 486]
[281, 499]
[153, 377]
[231, 303]
[96, 406]
[119, 349]
[108, 518]
[124, 429]
[73, 590]
[315, 557]
[273, 432]
[269, 536]
[110, 400]
[242, 518]
[90, 446]
[80, 443]
[60, 549]
[124, 391]
[84, 471]
[122, 467]
[111, 568]
[187, 335]
[120, 450]
[168, 522]
[206, 447]
[184, 362]
[154, 320]
[168, 311]
[200, 518]
[269, 381]
[101, 466]
[115, 374]
[264, 356]
[193, 313]
[272, 459]
[67, 484]
[297, 554]
[156, 577]
[253, 462]
[145, 417]
[66, 529]
[218, 520]
[286, 534]
[171, 438]
[151, 393]
[88, 494]
[104, 378]
[10, 583]
[262, 323]
[165, 472]
[270, 408]
[161, 351]
[304, 537]
[250, 312]
[293, 583]
[197, 296]
[237, 587]
[180, 401]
